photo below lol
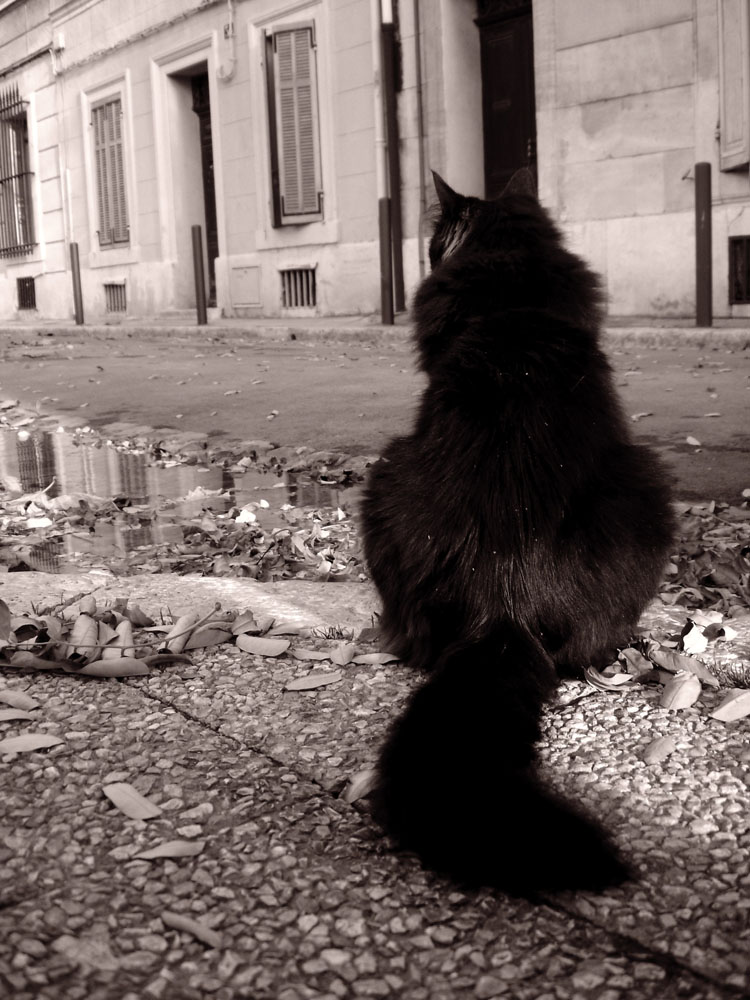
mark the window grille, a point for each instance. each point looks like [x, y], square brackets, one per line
[298, 288]
[297, 194]
[114, 296]
[739, 270]
[26, 293]
[16, 228]
[106, 120]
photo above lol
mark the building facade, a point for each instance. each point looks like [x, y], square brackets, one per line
[277, 126]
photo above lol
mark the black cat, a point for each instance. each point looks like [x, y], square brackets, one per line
[516, 534]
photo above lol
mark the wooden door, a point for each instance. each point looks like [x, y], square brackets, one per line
[508, 104]
[202, 107]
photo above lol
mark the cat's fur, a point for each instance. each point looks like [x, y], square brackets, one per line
[514, 535]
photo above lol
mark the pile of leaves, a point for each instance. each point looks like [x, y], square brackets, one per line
[309, 543]
[81, 636]
[250, 541]
[673, 661]
[711, 567]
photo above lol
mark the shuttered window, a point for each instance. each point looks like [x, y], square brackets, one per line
[297, 194]
[106, 121]
[734, 84]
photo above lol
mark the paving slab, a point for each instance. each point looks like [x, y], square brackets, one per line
[306, 898]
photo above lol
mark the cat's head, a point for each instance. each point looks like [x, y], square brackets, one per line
[463, 219]
[494, 258]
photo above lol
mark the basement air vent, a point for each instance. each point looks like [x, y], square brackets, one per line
[26, 293]
[114, 295]
[298, 288]
[739, 270]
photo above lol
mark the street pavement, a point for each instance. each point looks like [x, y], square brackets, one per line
[294, 892]
[350, 388]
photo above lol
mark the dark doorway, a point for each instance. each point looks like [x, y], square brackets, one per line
[202, 108]
[508, 105]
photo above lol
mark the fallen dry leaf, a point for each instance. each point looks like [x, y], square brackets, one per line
[694, 640]
[137, 616]
[173, 849]
[18, 699]
[681, 691]
[735, 706]
[87, 605]
[123, 639]
[343, 653]
[13, 714]
[672, 661]
[28, 742]
[25, 660]
[659, 749]
[5, 619]
[360, 784]
[375, 658]
[635, 661]
[84, 637]
[119, 666]
[245, 622]
[259, 644]
[705, 618]
[207, 635]
[177, 637]
[615, 682]
[130, 801]
[310, 654]
[311, 681]
[179, 922]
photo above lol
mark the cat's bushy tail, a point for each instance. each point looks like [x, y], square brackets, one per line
[457, 783]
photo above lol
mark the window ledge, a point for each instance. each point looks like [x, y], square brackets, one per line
[305, 234]
[115, 257]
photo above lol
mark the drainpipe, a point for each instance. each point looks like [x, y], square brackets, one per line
[389, 56]
[420, 139]
[381, 170]
[230, 35]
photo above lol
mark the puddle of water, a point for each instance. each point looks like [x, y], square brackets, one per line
[30, 461]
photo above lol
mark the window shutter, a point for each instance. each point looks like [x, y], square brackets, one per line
[294, 132]
[119, 208]
[110, 175]
[734, 83]
[100, 156]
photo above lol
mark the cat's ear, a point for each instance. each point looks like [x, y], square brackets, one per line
[448, 198]
[522, 182]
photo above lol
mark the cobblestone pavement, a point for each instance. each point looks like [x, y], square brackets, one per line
[291, 892]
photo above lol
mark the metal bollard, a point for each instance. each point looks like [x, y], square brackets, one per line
[75, 267]
[386, 261]
[703, 264]
[200, 278]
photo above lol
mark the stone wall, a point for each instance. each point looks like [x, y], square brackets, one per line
[628, 101]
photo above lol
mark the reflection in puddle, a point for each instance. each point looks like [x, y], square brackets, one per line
[30, 462]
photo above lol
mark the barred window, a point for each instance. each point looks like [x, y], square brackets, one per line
[106, 120]
[16, 217]
[297, 194]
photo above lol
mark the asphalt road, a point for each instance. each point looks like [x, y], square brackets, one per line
[352, 396]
